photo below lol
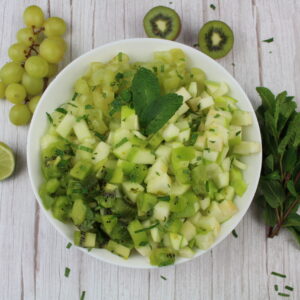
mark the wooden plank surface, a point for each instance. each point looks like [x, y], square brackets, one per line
[33, 256]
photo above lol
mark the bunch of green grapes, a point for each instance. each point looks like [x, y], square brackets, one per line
[39, 48]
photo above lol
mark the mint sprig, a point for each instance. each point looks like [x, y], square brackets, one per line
[280, 181]
[153, 109]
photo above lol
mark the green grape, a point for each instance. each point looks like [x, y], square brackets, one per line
[15, 93]
[36, 66]
[2, 90]
[33, 86]
[61, 41]
[11, 72]
[52, 49]
[26, 36]
[33, 103]
[20, 114]
[33, 16]
[54, 27]
[17, 52]
[53, 69]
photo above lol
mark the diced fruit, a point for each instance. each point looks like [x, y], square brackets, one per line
[188, 230]
[204, 240]
[118, 249]
[241, 118]
[81, 169]
[170, 133]
[132, 189]
[123, 150]
[175, 240]
[161, 211]
[141, 156]
[139, 237]
[237, 181]
[159, 185]
[66, 125]
[162, 257]
[78, 212]
[85, 239]
[184, 93]
[145, 202]
[247, 148]
[186, 252]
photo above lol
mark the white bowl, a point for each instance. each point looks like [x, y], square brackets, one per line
[139, 49]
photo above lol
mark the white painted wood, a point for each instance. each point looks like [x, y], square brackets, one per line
[33, 256]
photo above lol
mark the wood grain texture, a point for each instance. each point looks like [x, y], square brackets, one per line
[33, 256]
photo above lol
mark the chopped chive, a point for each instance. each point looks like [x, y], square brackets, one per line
[195, 45]
[217, 116]
[179, 76]
[82, 295]
[49, 118]
[74, 96]
[154, 69]
[99, 135]
[69, 245]
[88, 106]
[270, 40]
[86, 149]
[283, 295]
[212, 6]
[234, 233]
[278, 274]
[59, 152]
[61, 110]
[212, 142]
[67, 272]
[120, 56]
[163, 277]
[164, 198]
[123, 141]
[276, 287]
[69, 103]
[290, 288]
[147, 228]
[93, 88]
[162, 68]
[212, 129]
[84, 117]
[238, 132]
[119, 76]
[157, 174]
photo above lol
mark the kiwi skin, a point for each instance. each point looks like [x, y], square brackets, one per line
[226, 39]
[167, 15]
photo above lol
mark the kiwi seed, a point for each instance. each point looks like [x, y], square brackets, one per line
[162, 22]
[215, 39]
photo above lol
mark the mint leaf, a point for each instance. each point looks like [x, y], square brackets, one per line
[292, 220]
[273, 192]
[296, 234]
[124, 98]
[145, 90]
[159, 112]
[267, 97]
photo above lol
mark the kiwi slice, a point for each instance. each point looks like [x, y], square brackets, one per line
[215, 39]
[162, 22]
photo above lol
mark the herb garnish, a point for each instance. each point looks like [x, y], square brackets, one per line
[278, 274]
[283, 295]
[270, 40]
[234, 233]
[163, 277]
[88, 106]
[67, 272]
[287, 287]
[61, 110]
[74, 96]
[69, 245]
[83, 117]
[49, 118]
[82, 295]
[86, 149]
[123, 141]
[279, 184]
[212, 6]
[276, 287]
[147, 228]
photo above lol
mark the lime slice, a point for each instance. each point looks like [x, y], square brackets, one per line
[7, 161]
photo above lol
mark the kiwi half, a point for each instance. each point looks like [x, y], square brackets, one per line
[162, 22]
[215, 39]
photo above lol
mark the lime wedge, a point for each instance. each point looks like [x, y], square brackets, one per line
[7, 161]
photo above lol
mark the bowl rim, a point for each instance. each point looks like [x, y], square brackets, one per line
[61, 74]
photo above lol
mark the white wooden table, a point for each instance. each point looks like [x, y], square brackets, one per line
[33, 256]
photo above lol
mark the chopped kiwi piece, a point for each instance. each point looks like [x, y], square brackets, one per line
[85, 239]
[215, 39]
[162, 22]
